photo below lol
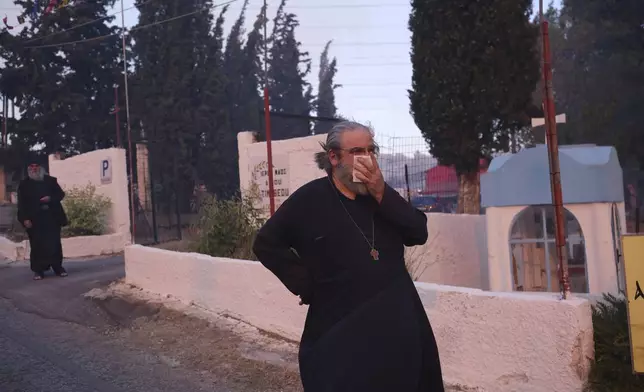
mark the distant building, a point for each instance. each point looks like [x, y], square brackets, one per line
[442, 181]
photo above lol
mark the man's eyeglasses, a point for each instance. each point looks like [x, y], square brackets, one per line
[361, 150]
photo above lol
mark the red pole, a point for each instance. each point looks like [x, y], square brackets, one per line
[5, 114]
[267, 119]
[269, 151]
[553, 158]
[117, 109]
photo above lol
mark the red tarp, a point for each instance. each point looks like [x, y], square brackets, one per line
[442, 180]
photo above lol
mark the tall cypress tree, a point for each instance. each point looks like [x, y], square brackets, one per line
[170, 83]
[325, 101]
[218, 164]
[475, 67]
[234, 59]
[290, 93]
[251, 76]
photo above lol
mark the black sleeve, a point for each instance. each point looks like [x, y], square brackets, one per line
[273, 249]
[411, 222]
[23, 213]
[57, 193]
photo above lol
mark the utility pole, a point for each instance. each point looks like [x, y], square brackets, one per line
[115, 112]
[267, 118]
[129, 128]
[553, 156]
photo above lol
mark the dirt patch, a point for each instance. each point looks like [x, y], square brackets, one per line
[234, 354]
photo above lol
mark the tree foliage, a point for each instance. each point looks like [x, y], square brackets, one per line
[598, 66]
[612, 370]
[192, 87]
[325, 100]
[475, 67]
[63, 93]
[290, 93]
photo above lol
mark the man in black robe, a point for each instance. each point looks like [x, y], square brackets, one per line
[41, 213]
[339, 245]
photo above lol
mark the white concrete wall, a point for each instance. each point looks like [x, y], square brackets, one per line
[499, 223]
[595, 221]
[300, 151]
[73, 248]
[84, 169]
[455, 253]
[497, 342]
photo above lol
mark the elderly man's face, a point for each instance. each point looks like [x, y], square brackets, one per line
[353, 143]
[35, 172]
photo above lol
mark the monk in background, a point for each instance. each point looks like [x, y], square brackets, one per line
[41, 213]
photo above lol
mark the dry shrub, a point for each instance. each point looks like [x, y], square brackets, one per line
[86, 211]
[419, 258]
[227, 228]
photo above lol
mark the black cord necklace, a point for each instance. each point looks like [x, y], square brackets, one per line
[372, 244]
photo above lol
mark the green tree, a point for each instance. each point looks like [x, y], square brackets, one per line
[289, 91]
[325, 101]
[218, 165]
[176, 91]
[64, 92]
[475, 67]
[252, 75]
[602, 85]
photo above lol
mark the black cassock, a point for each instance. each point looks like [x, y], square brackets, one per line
[366, 328]
[46, 219]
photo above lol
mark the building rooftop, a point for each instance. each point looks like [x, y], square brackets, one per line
[589, 174]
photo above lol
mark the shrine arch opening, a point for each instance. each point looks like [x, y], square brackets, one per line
[533, 252]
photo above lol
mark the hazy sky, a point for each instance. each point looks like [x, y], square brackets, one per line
[370, 41]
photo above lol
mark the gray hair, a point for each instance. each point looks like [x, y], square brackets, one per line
[333, 142]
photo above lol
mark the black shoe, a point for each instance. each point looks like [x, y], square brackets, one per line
[61, 272]
[39, 276]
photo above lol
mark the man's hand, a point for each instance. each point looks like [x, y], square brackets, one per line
[369, 173]
[27, 224]
[45, 199]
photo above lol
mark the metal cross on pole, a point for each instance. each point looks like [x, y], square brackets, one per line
[539, 121]
[553, 156]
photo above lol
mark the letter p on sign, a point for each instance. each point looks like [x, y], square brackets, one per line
[106, 171]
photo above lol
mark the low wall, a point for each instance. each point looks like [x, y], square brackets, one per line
[497, 342]
[455, 253]
[112, 182]
[74, 247]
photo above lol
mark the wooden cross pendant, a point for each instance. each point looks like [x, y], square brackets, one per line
[375, 254]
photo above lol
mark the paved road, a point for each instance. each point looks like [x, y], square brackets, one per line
[54, 340]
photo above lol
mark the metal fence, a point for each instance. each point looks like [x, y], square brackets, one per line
[409, 168]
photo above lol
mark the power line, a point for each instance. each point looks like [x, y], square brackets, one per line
[375, 84]
[368, 43]
[87, 23]
[342, 65]
[350, 27]
[132, 29]
[290, 7]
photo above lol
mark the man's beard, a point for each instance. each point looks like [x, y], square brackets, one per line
[37, 175]
[345, 175]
